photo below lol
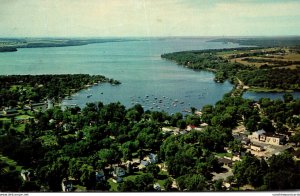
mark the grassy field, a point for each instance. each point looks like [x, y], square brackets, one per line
[271, 57]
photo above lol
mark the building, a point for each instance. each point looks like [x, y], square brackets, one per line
[27, 175]
[274, 139]
[100, 176]
[144, 163]
[269, 138]
[203, 125]
[153, 158]
[242, 138]
[257, 135]
[156, 187]
[67, 185]
[118, 172]
[225, 162]
[256, 148]
[192, 127]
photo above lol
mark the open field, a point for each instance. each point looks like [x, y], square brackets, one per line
[279, 57]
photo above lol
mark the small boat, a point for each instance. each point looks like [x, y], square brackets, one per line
[89, 96]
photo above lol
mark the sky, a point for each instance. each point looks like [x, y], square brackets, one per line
[148, 18]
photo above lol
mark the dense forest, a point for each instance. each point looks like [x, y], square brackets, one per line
[23, 89]
[285, 79]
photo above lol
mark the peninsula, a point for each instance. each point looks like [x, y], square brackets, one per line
[275, 68]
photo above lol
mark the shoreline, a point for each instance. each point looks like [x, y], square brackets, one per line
[269, 90]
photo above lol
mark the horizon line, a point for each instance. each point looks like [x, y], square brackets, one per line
[179, 36]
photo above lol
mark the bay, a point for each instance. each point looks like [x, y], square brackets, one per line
[146, 79]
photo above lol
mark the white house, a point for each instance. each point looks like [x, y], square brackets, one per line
[100, 176]
[119, 172]
[157, 187]
[153, 158]
[67, 185]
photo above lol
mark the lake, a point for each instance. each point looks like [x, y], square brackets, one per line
[147, 79]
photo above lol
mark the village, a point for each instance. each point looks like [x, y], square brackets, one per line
[134, 166]
[259, 143]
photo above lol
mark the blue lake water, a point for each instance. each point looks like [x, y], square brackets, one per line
[147, 79]
[256, 96]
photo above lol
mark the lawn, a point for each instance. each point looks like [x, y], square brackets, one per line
[113, 186]
[133, 176]
[225, 154]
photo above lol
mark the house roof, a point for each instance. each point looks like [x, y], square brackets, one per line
[273, 135]
[145, 163]
[255, 145]
[224, 161]
[259, 132]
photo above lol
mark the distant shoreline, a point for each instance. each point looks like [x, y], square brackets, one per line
[11, 45]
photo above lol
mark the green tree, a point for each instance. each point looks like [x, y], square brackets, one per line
[192, 182]
[288, 97]
[153, 169]
[87, 177]
[168, 184]
[102, 185]
[217, 185]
